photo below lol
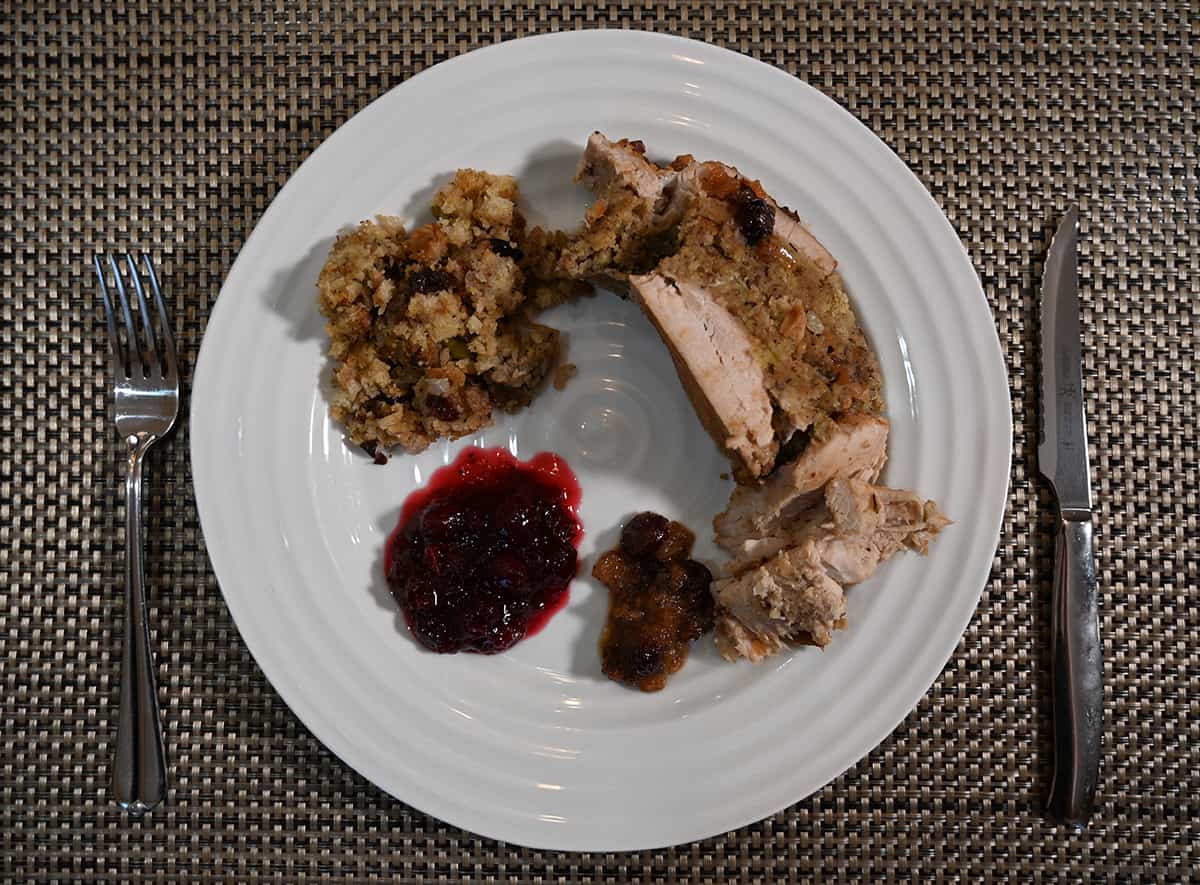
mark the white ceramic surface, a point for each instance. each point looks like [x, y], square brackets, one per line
[535, 746]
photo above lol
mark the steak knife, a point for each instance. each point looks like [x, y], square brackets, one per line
[1063, 460]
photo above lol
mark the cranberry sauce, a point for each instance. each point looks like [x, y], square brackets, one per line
[483, 555]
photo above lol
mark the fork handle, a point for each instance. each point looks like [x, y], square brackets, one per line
[140, 768]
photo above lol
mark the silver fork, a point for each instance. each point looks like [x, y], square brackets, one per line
[146, 404]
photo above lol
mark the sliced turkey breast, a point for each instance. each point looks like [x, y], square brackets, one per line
[754, 525]
[796, 596]
[715, 361]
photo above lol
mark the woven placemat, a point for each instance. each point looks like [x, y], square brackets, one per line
[171, 126]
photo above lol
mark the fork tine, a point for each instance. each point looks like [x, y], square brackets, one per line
[144, 310]
[131, 342]
[164, 320]
[114, 342]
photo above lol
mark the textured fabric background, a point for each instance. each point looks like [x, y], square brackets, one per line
[171, 126]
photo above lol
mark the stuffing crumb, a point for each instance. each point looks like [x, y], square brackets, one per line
[564, 374]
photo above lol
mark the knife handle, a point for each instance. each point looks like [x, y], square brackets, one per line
[1077, 668]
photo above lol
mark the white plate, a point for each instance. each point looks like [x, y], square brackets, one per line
[535, 746]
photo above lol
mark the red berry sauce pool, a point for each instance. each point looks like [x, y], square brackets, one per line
[483, 555]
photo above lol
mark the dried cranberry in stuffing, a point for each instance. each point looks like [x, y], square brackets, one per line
[755, 217]
[442, 407]
[426, 280]
[505, 249]
[371, 447]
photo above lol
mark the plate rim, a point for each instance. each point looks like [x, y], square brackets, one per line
[198, 402]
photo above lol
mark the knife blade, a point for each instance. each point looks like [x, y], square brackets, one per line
[1063, 460]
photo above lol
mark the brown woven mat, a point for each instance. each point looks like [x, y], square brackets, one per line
[174, 127]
